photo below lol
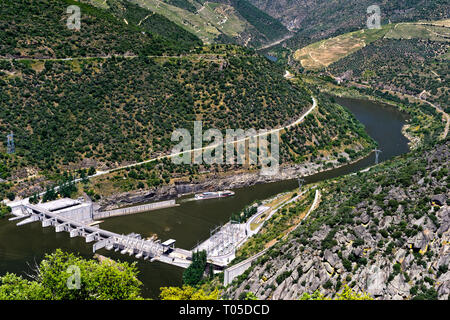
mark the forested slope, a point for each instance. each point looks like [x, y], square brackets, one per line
[40, 31]
[410, 66]
[117, 110]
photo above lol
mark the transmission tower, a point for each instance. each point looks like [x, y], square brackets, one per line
[10, 147]
[377, 153]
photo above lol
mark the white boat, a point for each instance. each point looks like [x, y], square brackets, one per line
[213, 195]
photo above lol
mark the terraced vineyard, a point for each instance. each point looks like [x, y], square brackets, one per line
[314, 21]
[220, 21]
[324, 53]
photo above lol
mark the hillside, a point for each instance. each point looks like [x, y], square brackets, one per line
[412, 65]
[408, 58]
[384, 232]
[321, 19]
[40, 31]
[220, 21]
[149, 21]
[125, 109]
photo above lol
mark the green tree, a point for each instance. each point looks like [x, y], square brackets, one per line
[187, 293]
[4, 210]
[106, 280]
[194, 273]
[346, 294]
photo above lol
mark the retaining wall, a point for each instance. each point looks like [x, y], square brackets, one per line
[135, 209]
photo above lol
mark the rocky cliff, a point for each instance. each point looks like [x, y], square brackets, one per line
[385, 232]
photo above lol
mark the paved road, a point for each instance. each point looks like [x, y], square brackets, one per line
[100, 173]
[200, 56]
[446, 116]
[295, 123]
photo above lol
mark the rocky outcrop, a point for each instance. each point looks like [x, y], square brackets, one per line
[211, 183]
[392, 243]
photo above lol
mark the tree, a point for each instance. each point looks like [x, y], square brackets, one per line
[11, 196]
[248, 295]
[13, 287]
[187, 293]
[106, 280]
[4, 210]
[194, 273]
[346, 294]
[49, 195]
[91, 171]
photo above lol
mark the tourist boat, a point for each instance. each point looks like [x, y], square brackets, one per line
[213, 195]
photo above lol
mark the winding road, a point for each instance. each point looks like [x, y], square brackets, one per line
[297, 122]
[100, 173]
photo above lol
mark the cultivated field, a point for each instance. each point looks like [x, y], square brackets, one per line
[207, 22]
[431, 31]
[321, 54]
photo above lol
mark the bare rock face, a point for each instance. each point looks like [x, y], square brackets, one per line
[422, 240]
[278, 291]
[376, 282]
[439, 199]
[392, 250]
[444, 286]
[398, 287]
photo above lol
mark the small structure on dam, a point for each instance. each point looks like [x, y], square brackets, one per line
[72, 209]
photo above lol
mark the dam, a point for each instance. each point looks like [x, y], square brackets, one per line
[76, 218]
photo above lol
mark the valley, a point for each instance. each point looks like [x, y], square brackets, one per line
[131, 107]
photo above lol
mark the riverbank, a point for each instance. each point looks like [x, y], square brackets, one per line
[425, 123]
[217, 183]
[244, 178]
[190, 222]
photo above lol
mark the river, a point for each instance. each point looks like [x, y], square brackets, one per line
[191, 222]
